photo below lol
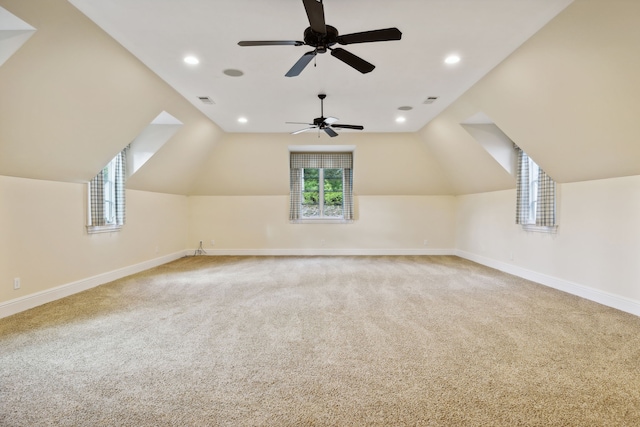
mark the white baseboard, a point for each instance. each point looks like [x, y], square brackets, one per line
[322, 252]
[605, 298]
[17, 305]
[33, 300]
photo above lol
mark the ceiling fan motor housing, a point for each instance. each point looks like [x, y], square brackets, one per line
[321, 41]
[320, 122]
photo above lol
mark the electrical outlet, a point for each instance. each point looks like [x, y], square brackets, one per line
[213, 243]
[16, 283]
[426, 242]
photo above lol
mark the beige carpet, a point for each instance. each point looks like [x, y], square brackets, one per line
[320, 341]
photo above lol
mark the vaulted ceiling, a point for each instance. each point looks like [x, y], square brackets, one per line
[407, 72]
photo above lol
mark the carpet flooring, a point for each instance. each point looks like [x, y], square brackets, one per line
[320, 341]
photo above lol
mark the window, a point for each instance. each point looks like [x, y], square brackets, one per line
[536, 195]
[534, 171]
[106, 209]
[109, 193]
[322, 194]
[321, 186]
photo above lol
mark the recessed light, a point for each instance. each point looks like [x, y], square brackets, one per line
[233, 73]
[405, 108]
[242, 120]
[400, 119]
[191, 60]
[452, 59]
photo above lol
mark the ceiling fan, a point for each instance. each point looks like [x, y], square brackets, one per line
[322, 37]
[325, 123]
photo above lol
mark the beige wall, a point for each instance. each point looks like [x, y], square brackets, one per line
[260, 224]
[597, 244]
[258, 164]
[401, 197]
[44, 241]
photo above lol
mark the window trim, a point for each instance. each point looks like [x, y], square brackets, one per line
[550, 229]
[97, 229]
[325, 220]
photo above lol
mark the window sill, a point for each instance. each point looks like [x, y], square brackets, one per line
[103, 228]
[321, 221]
[540, 229]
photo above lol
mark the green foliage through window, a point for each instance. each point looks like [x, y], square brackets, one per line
[322, 200]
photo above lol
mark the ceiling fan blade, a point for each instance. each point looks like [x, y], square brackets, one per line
[303, 130]
[302, 62]
[270, 43]
[386, 34]
[299, 123]
[352, 60]
[330, 132]
[330, 120]
[339, 126]
[315, 13]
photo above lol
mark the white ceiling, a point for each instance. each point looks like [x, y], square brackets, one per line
[162, 32]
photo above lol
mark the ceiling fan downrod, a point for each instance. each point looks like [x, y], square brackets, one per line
[322, 96]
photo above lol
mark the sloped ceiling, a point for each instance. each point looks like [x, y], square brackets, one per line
[569, 97]
[14, 32]
[72, 97]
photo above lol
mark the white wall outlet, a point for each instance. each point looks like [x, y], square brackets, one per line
[213, 242]
[16, 283]
[322, 242]
[426, 242]
[157, 248]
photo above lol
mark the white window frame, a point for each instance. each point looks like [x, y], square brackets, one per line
[532, 183]
[109, 191]
[321, 216]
